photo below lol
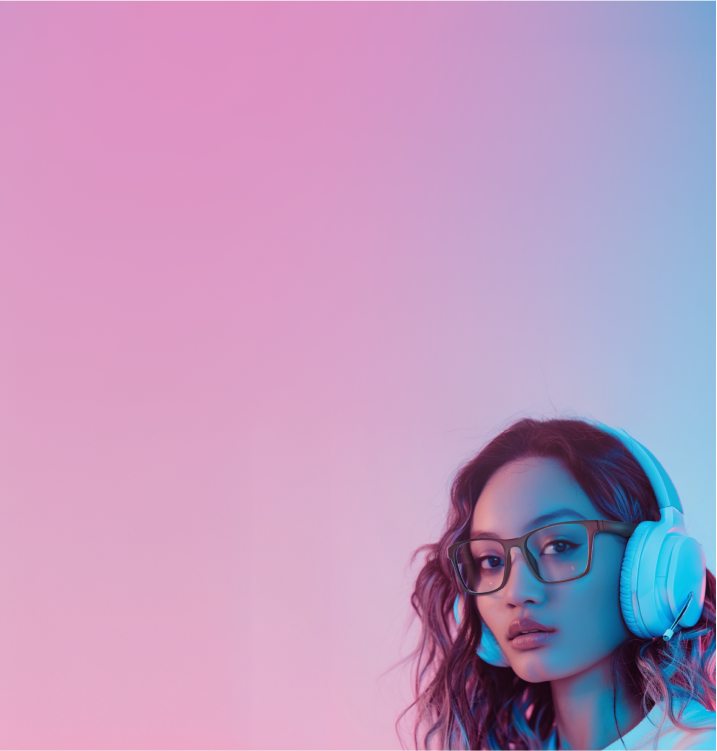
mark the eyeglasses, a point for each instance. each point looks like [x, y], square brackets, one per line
[555, 553]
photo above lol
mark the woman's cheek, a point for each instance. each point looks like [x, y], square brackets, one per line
[590, 624]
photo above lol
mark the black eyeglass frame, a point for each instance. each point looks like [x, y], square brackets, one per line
[624, 529]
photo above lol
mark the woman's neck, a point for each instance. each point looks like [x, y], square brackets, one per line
[584, 709]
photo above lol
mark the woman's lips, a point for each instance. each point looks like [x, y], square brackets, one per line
[531, 641]
[520, 640]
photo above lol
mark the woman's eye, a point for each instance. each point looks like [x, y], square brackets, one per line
[491, 561]
[558, 546]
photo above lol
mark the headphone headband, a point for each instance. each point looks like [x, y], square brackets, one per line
[665, 491]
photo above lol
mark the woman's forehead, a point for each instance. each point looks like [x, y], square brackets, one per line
[527, 488]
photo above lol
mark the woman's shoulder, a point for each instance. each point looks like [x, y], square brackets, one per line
[652, 733]
[699, 713]
[657, 731]
[704, 735]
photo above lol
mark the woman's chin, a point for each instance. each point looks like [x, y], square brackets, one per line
[531, 668]
[535, 668]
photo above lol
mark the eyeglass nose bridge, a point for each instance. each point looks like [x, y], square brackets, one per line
[532, 564]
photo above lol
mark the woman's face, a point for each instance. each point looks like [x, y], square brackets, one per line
[585, 612]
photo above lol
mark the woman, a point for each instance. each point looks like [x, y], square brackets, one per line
[542, 622]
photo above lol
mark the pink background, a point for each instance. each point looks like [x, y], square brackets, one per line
[268, 274]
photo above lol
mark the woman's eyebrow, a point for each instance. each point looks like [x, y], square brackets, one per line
[552, 516]
[538, 521]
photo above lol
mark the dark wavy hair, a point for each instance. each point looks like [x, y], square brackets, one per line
[462, 701]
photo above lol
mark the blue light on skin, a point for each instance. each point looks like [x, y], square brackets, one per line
[585, 612]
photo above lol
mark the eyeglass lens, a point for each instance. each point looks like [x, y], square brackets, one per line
[558, 553]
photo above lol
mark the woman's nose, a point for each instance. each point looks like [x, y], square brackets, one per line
[522, 585]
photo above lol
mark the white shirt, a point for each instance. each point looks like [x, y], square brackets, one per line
[645, 734]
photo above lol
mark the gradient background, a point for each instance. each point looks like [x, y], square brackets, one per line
[268, 275]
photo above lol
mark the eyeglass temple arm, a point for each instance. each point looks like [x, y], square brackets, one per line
[619, 528]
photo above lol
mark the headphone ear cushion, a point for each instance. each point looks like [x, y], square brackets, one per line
[489, 650]
[628, 580]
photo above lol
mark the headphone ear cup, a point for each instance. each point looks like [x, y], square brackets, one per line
[686, 573]
[628, 581]
[662, 564]
[488, 650]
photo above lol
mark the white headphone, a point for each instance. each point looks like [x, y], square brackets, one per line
[662, 581]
